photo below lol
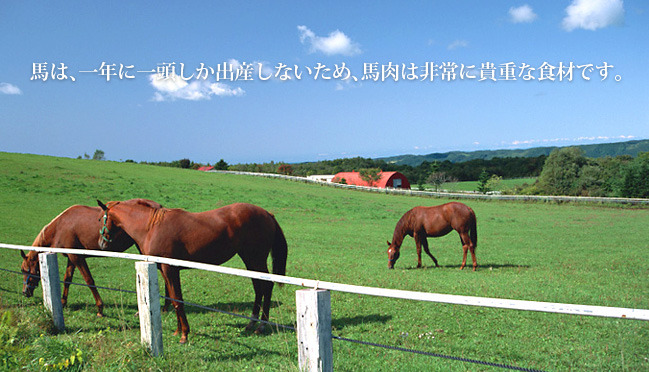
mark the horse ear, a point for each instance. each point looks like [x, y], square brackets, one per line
[23, 254]
[102, 205]
[389, 244]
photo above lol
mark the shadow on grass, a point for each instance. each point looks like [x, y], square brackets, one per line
[341, 323]
[468, 267]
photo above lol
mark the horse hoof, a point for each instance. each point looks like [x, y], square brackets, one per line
[250, 325]
[183, 340]
[100, 315]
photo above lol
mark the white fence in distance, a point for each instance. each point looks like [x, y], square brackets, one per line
[548, 307]
[451, 195]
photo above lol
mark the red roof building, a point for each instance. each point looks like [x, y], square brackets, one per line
[388, 179]
[206, 168]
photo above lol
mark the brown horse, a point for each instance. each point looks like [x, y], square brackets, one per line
[424, 222]
[75, 227]
[211, 237]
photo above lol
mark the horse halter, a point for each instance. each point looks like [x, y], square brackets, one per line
[104, 228]
[27, 283]
[395, 257]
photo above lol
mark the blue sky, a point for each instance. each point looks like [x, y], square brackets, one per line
[153, 111]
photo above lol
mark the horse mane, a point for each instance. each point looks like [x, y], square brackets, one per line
[157, 215]
[403, 227]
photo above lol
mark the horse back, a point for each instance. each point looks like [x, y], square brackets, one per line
[459, 215]
[70, 229]
[77, 227]
[213, 236]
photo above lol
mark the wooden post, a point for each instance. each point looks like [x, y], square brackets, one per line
[52, 288]
[148, 303]
[315, 352]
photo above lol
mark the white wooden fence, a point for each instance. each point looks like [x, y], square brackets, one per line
[451, 195]
[313, 306]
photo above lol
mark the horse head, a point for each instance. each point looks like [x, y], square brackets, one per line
[109, 231]
[393, 254]
[31, 272]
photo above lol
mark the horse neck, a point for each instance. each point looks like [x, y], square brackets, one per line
[46, 235]
[134, 220]
[402, 229]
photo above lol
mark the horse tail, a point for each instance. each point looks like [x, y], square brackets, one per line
[473, 234]
[279, 250]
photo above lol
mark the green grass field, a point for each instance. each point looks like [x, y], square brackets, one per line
[581, 254]
[473, 185]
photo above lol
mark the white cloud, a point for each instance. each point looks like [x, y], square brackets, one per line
[458, 44]
[336, 43]
[593, 14]
[522, 14]
[174, 87]
[548, 141]
[6, 88]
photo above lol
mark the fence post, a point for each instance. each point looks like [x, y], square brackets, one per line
[52, 288]
[315, 352]
[148, 303]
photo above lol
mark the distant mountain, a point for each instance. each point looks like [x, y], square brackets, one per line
[592, 151]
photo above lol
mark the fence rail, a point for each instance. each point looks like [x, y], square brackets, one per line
[549, 307]
[451, 195]
[313, 306]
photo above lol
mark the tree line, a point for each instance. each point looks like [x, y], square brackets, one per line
[566, 171]
[417, 175]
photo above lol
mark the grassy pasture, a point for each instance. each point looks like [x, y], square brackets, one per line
[584, 254]
[473, 185]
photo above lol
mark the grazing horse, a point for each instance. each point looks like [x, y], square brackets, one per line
[211, 237]
[424, 222]
[75, 227]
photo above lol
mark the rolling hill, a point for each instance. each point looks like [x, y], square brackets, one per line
[592, 151]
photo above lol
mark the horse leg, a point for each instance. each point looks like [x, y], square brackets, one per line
[67, 279]
[80, 262]
[172, 279]
[466, 245]
[472, 250]
[266, 289]
[424, 242]
[165, 308]
[268, 292]
[258, 286]
[418, 243]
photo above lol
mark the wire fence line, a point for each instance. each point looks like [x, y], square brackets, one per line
[292, 328]
[548, 307]
[450, 195]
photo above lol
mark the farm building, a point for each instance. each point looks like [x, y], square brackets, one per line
[388, 179]
[321, 177]
[206, 168]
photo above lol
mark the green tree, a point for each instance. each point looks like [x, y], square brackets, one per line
[221, 165]
[483, 182]
[494, 182]
[561, 171]
[635, 179]
[370, 175]
[437, 179]
[184, 163]
[99, 155]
